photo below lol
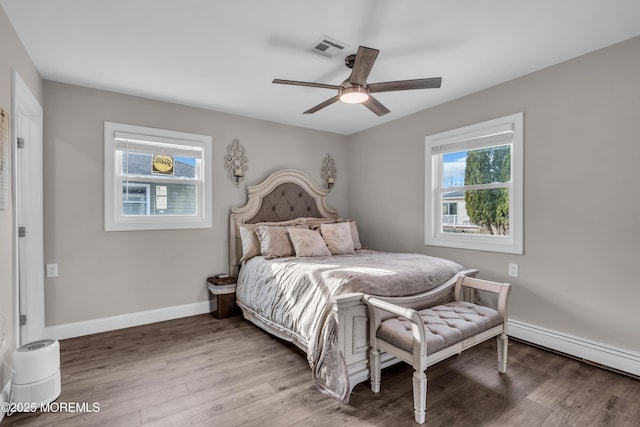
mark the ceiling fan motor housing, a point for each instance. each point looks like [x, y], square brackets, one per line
[350, 60]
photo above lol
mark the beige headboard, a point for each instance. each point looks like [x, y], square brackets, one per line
[283, 195]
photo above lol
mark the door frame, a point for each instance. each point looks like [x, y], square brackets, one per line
[27, 198]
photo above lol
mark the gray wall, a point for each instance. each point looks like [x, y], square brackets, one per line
[13, 56]
[581, 156]
[111, 273]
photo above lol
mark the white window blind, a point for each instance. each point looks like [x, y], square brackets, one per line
[153, 144]
[443, 147]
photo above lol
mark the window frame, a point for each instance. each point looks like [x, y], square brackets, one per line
[115, 220]
[475, 136]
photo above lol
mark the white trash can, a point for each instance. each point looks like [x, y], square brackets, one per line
[37, 372]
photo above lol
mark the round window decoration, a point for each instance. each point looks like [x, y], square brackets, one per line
[162, 164]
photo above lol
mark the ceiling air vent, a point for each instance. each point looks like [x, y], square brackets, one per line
[329, 47]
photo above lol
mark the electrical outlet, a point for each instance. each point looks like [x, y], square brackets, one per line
[52, 270]
[513, 270]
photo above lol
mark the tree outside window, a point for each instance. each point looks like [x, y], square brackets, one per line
[488, 208]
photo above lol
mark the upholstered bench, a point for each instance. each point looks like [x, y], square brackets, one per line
[426, 336]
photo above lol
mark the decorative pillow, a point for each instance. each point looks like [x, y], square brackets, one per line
[250, 242]
[314, 223]
[249, 238]
[338, 237]
[274, 241]
[355, 235]
[307, 242]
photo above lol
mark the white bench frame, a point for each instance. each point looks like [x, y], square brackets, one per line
[383, 308]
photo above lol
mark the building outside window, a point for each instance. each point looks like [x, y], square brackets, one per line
[454, 214]
[135, 199]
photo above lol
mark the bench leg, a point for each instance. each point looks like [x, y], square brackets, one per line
[374, 367]
[419, 396]
[503, 346]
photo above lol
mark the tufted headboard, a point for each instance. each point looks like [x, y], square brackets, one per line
[283, 195]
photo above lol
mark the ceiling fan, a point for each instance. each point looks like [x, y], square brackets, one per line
[356, 90]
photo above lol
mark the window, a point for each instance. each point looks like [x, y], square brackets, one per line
[474, 186]
[156, 179]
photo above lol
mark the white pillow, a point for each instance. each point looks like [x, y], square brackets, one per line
[338, 237]
[355, 235]
[274, 241]
[250, 242]
[314, 223]
[307, 242]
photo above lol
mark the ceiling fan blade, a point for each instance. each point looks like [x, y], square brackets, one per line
[431, 83]
[375, 106]
[322, 105]
[296, 83]
[365, 58]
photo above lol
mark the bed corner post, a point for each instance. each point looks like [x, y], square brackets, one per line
[233, 246]
[352, 335]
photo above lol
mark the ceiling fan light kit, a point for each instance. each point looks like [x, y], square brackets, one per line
[354, 94]
[356, 90]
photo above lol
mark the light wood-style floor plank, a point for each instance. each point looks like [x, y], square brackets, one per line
[201, 371]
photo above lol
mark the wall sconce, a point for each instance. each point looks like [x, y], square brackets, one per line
[235, 162]
[238, 174]
[328, 172]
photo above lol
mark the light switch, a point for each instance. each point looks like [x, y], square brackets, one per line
[513, 270]
[52, 270]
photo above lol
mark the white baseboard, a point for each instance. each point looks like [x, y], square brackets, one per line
[94, 326]
[616, 358]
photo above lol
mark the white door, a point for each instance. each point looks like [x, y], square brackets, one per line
[28, 213]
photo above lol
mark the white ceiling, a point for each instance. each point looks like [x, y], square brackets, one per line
[223, 55]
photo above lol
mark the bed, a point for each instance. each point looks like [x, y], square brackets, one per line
[316, 301]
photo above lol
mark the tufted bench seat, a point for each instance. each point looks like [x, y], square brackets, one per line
[426, 336]
[444, 325]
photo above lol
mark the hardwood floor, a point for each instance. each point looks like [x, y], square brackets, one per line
[207, 372]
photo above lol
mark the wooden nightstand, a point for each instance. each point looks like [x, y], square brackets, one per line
[222, 296]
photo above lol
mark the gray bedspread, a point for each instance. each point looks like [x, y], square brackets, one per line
[294, 295]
